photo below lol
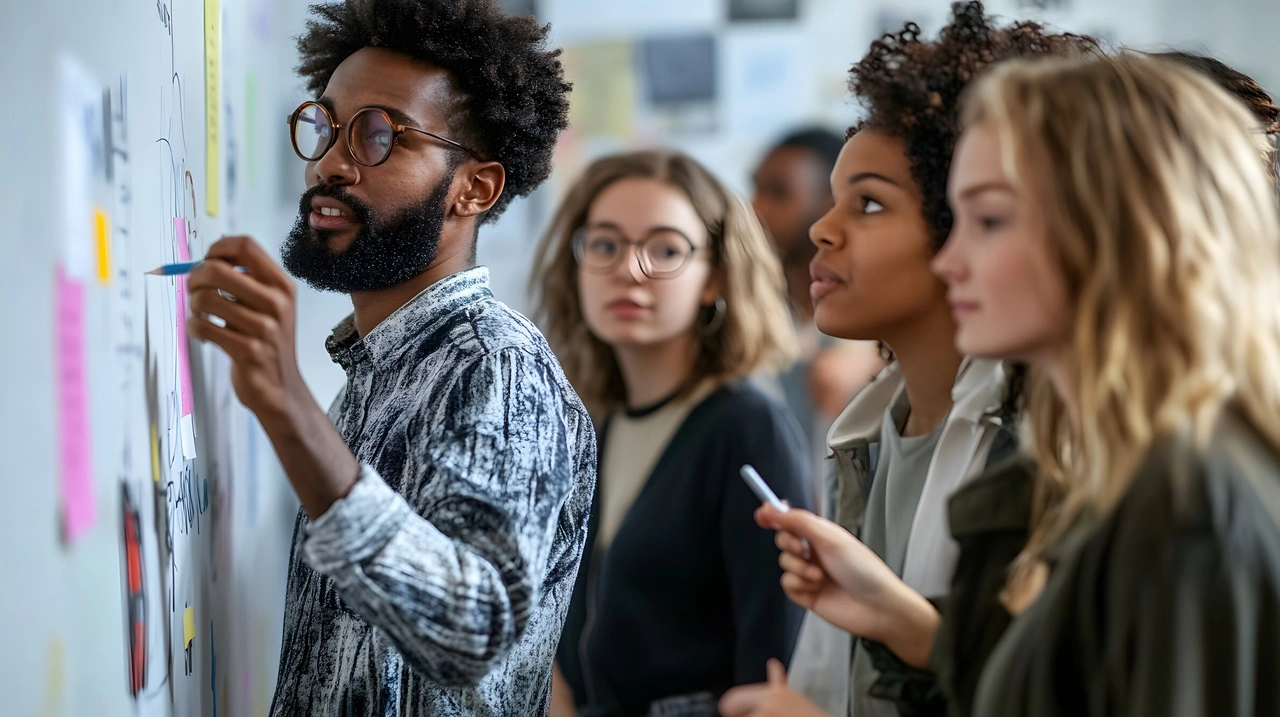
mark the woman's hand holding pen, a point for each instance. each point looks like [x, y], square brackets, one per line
[848, 585]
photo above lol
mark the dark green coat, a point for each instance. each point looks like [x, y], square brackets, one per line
[1168, 605]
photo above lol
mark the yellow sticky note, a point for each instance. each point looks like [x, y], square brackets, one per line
[102, 231]
[212, 99]
[55, 677]
[155, 454]
[604, 72]
[188, 625]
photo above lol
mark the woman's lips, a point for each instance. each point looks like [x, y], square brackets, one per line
[627, 309]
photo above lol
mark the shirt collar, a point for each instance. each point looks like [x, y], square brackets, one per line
[415, 319]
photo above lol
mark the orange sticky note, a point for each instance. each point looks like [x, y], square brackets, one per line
[102, 232]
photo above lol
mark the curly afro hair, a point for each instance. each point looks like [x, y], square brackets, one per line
[515, 101]
[911, 89]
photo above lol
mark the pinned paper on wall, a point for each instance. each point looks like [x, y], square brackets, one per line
[81, 147]
[212, 100]
[102, 236]
[746, 10]
[55, 678]
[681, 81]
[251, 120]
[767, 79]
[75, 446]
[520, 7]
[680, 69]
[187, 427]
[604, 99]
[1043, 4]
[578, 20]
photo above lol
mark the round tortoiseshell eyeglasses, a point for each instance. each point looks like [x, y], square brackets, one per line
[371, 134]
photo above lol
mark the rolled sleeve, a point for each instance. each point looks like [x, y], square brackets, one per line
[355, 528]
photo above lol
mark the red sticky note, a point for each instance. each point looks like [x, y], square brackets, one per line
[75, 449]
[187, 395]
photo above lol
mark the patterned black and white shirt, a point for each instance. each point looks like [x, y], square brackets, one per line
[439, 584]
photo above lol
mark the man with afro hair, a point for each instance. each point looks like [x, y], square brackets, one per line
[445, 495]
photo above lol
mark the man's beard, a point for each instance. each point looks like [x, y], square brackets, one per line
[382, 255]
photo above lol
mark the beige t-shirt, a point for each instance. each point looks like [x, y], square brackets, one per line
[632, 447]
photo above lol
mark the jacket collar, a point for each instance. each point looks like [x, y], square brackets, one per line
[977, 393]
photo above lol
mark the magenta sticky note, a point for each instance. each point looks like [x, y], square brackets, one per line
[186, 428]
[180, 233]
[184, 359]
[75, 449]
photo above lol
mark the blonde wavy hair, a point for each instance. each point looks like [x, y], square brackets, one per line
[757, 333]
[1165, 224]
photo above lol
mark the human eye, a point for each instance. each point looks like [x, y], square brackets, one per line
[991, 223]
[602, 245]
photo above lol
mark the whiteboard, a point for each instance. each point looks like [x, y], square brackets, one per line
[224, 519]
[108, 142]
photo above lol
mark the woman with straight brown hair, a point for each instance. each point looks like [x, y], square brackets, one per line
[661, 295]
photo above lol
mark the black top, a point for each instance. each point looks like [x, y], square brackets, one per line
[687, 599]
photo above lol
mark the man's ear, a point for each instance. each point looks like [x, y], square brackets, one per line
[482, 185]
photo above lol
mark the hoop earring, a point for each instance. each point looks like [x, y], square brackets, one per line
[717, 319]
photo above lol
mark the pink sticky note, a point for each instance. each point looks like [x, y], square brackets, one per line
[187, 395]
[75, 446]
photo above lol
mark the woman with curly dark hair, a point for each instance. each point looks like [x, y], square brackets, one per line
[934, 419]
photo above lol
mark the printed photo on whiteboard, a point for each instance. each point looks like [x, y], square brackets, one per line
[520, 7]
[753, 10]
[679, 70]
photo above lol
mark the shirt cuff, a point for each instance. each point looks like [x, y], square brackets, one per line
[357, 527]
